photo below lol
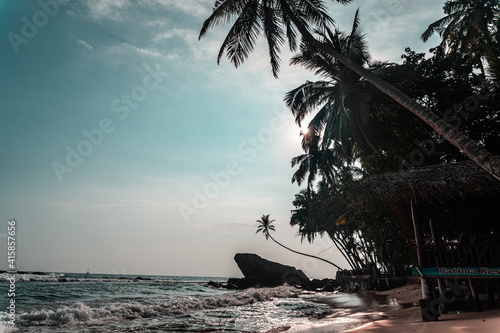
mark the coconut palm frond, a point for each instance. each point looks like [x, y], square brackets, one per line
[435, 27]
[265, 225]
[270, 19]
[273, 32]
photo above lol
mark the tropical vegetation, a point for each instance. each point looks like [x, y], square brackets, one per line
[356, 111]
[282, 20]
[266, 225]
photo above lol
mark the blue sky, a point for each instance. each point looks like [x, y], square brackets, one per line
[127, 149]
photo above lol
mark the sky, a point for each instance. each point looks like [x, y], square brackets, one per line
[126, 149]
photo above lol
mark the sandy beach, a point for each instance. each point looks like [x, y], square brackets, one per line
[409, 320]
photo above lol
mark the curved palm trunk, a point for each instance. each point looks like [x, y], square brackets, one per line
[347, 242]
[342, 249]
[351, 250]
[304, 254]
[478, 154]
[338, 245]
[364, 249]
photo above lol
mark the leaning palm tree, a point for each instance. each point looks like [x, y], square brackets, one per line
[340, 98]
[279, 20]
[266, 225]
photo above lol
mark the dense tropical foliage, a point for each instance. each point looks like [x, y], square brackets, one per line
[451, 84]
[357, 122]
[281, 20]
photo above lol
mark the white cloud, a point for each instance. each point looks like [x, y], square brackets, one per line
[164, 35]
[160, 23]
[189, 35]
[107, 9]
[144, 51]
[125, 48]
[84, 44]
[196, 8]
[206, 49]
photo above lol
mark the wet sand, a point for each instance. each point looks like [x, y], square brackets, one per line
[395, 311]
[409, 319]
[352, 310]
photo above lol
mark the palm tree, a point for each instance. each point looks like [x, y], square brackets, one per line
[386, 248]
[323, 211]
[466, 26]
[341, 98]
[315, 161]
[386, 244]
[493, 52]
[266, 225]
[280, 19]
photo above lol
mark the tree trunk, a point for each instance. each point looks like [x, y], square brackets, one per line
[426, 292]
[368, 256]
[304, 254]
[342, 252]
[478, 154]
[354, 261]
[342, 249]
[357, 261]
[365, 136]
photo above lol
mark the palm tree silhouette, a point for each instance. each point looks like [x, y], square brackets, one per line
[341, 98]
[279, 20]
[266, 225]
[493, 52]
[315, 161]
[466, 26]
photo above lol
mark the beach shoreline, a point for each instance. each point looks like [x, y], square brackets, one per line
[409, 319]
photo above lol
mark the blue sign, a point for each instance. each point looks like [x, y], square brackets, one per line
[457, 271]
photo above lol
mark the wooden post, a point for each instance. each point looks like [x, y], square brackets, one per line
[475, 296]
[490, 292]
[418, 241]
[436, 242]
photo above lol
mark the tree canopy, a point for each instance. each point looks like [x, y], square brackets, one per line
[359, 125]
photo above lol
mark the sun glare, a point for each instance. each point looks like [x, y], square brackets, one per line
[303, 131]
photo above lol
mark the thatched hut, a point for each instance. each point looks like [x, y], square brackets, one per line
[454, 212]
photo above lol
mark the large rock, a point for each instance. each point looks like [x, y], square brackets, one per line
[269, 273]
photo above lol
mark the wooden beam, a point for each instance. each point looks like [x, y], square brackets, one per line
[491, 295]
[436, 242]
[475, 296]
[418, 240]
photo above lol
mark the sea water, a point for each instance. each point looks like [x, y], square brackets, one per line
[64, 302]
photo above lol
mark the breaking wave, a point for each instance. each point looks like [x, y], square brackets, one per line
[89, 313]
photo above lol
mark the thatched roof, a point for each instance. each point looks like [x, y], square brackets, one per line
[453, 181]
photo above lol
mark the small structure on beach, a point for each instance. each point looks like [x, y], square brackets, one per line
[453, 210]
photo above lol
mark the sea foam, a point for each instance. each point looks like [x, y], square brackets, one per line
[102, 312]
[52, 277]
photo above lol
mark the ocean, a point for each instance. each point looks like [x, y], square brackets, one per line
[66, 302]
